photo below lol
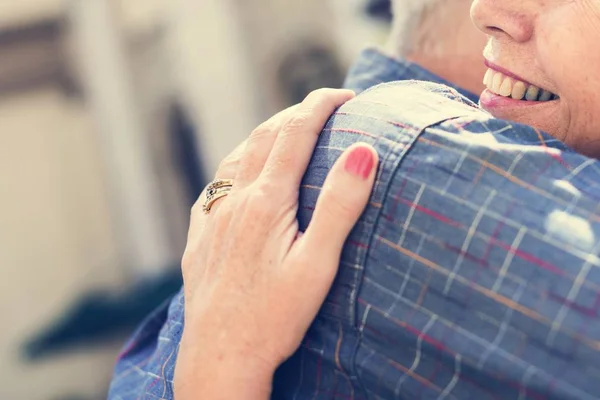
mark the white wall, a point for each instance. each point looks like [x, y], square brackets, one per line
[56, 238]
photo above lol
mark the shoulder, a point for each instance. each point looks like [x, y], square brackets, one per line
[391, 117]
[398, 112]
[414, 103]
[446, 163]
[430, 134]
[437, 121]
[480, 227]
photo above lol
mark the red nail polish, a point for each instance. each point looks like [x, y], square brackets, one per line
[360, 162]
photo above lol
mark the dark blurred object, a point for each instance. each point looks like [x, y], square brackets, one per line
[307, 68]
[186, 153]
[380, 9]
[35, 54]
[102, 315]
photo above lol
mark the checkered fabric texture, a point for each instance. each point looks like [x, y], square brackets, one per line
[473, 273]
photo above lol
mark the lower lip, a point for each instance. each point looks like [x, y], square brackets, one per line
[490, 100]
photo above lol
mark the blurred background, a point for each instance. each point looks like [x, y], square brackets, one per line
[113, 116]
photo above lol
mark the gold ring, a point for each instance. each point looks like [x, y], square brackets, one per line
[216, 190]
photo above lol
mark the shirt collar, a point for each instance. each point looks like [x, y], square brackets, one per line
[373, 67]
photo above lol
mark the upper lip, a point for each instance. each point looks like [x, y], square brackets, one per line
[506, 72]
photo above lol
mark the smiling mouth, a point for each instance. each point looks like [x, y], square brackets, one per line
[508, 86]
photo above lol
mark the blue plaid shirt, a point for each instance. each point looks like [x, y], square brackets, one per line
[473, 273]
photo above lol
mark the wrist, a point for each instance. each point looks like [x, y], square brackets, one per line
[218, 374]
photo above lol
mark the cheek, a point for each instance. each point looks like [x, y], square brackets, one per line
[570, 33]
[560, 49]
[580, 90]
[583, 131]
[566, 54]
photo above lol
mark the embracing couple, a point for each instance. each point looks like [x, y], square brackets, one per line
[399, 240]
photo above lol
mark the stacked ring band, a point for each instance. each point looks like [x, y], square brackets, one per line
[216, 190]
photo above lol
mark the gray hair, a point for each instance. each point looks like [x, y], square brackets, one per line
[408, 25]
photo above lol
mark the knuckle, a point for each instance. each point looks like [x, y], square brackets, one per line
[271, 188]
[227, 170]
[336, 203]
[321, 96]
[297, 122]
[267, 128]
[226, 166]
[263, 201]
[229, 165]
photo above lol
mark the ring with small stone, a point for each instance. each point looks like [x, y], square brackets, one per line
[216, 190]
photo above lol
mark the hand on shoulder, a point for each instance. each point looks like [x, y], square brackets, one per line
[253, 283]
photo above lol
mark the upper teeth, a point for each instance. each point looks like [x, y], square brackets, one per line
[506, 86]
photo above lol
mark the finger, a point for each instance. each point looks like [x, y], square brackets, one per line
[296, 141]
[228, 169]
[259, 146]
[342, 200]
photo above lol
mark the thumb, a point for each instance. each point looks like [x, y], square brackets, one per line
[342, 200]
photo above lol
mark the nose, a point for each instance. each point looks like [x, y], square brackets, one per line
[505, 19]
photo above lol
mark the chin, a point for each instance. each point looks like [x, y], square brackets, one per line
[550, 124]
[545, 116]
[550, 117]
[545, 123]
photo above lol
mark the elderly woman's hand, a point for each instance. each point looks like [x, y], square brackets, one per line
[253, 283]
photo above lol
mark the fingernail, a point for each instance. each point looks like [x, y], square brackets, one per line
[360, 162]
